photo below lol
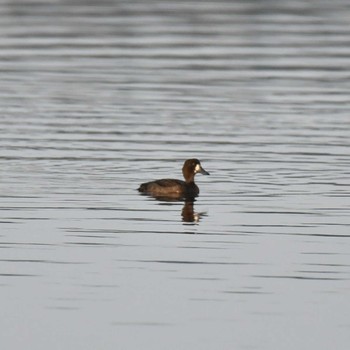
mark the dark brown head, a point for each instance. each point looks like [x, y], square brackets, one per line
[191, 168]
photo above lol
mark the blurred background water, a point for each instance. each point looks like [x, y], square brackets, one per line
[99, 96]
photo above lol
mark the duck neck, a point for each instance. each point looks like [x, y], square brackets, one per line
[189, 179]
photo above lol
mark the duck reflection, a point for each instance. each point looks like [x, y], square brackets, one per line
[188, 213]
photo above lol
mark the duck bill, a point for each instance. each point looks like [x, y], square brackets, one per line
[203, 172]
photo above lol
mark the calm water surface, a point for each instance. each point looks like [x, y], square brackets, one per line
[97, 97]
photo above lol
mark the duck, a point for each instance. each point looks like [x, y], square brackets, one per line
[176, 188]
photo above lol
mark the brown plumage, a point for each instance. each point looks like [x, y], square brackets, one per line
[176, 188]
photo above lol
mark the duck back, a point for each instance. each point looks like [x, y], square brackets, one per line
[165, 187]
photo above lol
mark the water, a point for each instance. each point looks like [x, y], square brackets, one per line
[97, 97]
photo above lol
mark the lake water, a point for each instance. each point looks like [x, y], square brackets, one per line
[99, 96]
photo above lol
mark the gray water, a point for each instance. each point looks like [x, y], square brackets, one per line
[99, 96]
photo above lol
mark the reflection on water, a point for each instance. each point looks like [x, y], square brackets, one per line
[188, 214]
[92, 92]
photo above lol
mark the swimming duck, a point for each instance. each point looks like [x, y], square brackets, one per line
[176, 188]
